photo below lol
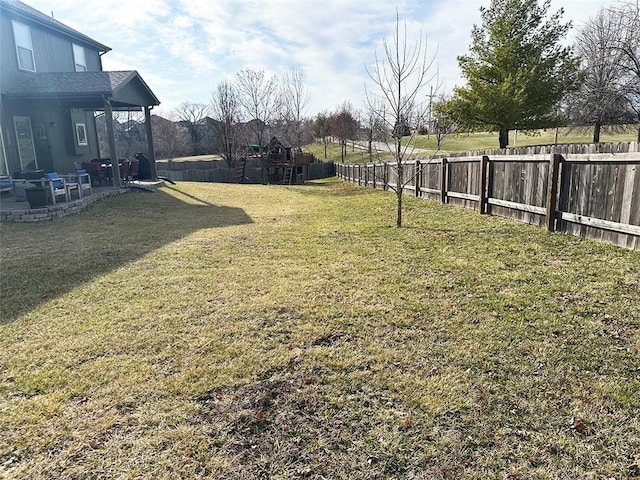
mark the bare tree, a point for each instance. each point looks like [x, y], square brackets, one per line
[258, 96]
[295, 98]
[626, 17]
[601, 96]
[343, 124]
[226, 111]
[190, 116]
[398, 79]
[169, 141]
[443, 122]
[321, 130]
[374, 127]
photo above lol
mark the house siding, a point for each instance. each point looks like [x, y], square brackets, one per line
[52, 53]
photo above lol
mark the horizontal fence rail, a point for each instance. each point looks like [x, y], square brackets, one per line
[209, 172]
[589, 195]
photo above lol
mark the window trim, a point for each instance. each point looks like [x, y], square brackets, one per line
[79, 51]
[27, 120]
[81, 134]
[15, 26]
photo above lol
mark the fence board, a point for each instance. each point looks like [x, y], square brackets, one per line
[604, 189]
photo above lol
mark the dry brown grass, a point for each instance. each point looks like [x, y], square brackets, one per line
[241, 331]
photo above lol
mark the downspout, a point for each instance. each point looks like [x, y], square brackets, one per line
[2, 145]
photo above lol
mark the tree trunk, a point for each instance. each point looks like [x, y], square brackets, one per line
[504, 137]
[638, 134]
[596, 132]
[399, 178]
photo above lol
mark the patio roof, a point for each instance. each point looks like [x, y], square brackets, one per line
[124, 89]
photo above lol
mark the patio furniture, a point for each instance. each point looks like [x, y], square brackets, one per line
[83, 179]
[133, 169]
[6, 184]
[96, 171]
[60, 186]
[33, 175]
[124, 169]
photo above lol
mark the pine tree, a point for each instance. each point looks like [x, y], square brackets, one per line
[517, 72]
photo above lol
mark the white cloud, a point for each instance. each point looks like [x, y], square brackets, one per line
[183, 48]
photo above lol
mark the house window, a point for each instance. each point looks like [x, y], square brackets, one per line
[24, 47]
[79, 58]
[81, 134]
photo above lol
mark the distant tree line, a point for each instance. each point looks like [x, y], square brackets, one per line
[519, 72]
[520, 76]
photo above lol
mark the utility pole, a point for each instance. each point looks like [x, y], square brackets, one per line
[430, 105]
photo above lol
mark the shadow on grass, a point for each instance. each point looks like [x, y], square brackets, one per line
[43, 261]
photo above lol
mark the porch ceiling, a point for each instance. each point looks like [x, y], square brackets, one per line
[124, 89]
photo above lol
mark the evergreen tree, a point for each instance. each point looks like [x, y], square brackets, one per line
[517, 72]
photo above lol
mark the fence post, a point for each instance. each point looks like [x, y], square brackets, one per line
[482, 196]
[552, 191]
[417, 179]
[444, 183]
[385, 175]
[373, 168]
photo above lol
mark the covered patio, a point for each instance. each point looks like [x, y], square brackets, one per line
[63, 105]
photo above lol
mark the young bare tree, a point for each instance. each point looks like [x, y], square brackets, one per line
[399, 78]
[260, 101]
[343, 125]
[295, 98]
[190, 116]
[321, 130]
[373, 127]
[226, 111]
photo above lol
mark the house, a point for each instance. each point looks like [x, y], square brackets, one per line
[52, 86]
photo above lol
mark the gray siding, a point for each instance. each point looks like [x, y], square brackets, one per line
[52, 52]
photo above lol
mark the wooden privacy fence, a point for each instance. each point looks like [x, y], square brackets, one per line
[217, 172]
[592, 196]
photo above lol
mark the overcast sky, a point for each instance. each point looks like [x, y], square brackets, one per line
[183, 48]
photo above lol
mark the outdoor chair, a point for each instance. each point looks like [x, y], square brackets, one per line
[124, 169]
[59, 186]
[95, 170]
[133, 169]
[6, 184]
[82, 178]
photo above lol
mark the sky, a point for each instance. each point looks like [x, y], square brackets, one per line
[184, 48]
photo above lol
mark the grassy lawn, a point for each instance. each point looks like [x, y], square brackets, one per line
[465, 142]
[248, 331]
[486, 140]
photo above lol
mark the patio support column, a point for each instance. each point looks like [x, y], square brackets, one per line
[115, 168]
[152, 153]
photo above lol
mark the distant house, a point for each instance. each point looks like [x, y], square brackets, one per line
[51, 86]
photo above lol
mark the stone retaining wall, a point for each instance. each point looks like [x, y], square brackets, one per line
[55, 211]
